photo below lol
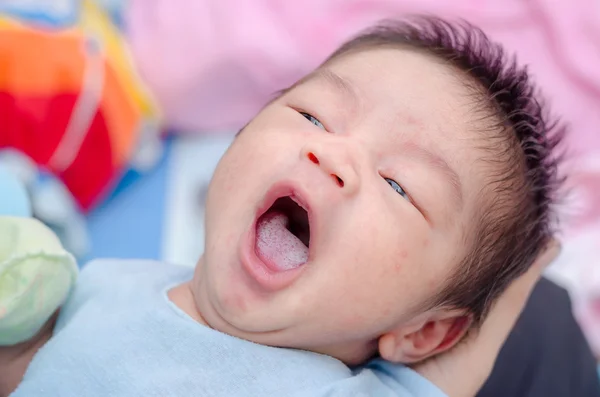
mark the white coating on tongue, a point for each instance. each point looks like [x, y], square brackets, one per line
[277, 245]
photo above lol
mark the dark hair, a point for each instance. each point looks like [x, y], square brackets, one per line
[517, 219]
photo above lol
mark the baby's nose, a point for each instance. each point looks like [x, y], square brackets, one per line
[336, 163]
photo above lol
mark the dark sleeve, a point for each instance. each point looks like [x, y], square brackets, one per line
[546, 355]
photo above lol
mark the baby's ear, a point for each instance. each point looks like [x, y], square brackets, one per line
[426, 337]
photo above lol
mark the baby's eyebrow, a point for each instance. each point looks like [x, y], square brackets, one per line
[339, 84]
[437, 162]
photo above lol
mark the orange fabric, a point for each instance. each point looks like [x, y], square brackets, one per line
[40, 63]
[121, 116]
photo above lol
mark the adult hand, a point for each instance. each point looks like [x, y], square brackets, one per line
[462, 371]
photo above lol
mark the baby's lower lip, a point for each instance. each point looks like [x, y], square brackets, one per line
[268, 277]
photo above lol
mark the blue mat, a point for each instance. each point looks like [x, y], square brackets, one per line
[129, 223]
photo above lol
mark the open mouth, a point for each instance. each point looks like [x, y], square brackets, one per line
[283, 235]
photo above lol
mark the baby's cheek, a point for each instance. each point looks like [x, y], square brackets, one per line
[233, 301]
[406, 276]
[399, 263]
[366, 318]
[354, 320]
[401, 257]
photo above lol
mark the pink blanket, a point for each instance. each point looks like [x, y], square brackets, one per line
[213, 63]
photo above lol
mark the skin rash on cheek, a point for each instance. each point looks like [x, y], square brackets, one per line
[400, 262]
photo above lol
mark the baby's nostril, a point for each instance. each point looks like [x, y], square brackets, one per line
[339, 180]
[311, 156]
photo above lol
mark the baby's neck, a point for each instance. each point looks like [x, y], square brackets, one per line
[183, 298]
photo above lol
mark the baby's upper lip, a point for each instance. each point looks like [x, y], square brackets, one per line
[299, 199]
[285, 189]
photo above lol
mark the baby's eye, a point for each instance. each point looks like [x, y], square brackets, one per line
[397, 188]
[313, 120]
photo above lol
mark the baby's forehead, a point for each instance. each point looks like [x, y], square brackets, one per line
[398, 87]
[396, 64]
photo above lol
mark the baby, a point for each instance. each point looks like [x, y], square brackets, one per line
[367, 217]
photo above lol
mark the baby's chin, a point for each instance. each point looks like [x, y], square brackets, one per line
[194, 300]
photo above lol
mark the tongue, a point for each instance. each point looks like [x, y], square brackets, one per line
[276, 245]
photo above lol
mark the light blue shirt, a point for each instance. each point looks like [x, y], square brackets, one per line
[119, 335]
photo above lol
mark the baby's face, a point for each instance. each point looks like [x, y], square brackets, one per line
[342, 207]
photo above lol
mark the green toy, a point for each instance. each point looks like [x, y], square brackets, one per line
[36, 273]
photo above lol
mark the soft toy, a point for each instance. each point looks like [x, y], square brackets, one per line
[70, 96]
[14, 200]
[50, 201]
[36, 273]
